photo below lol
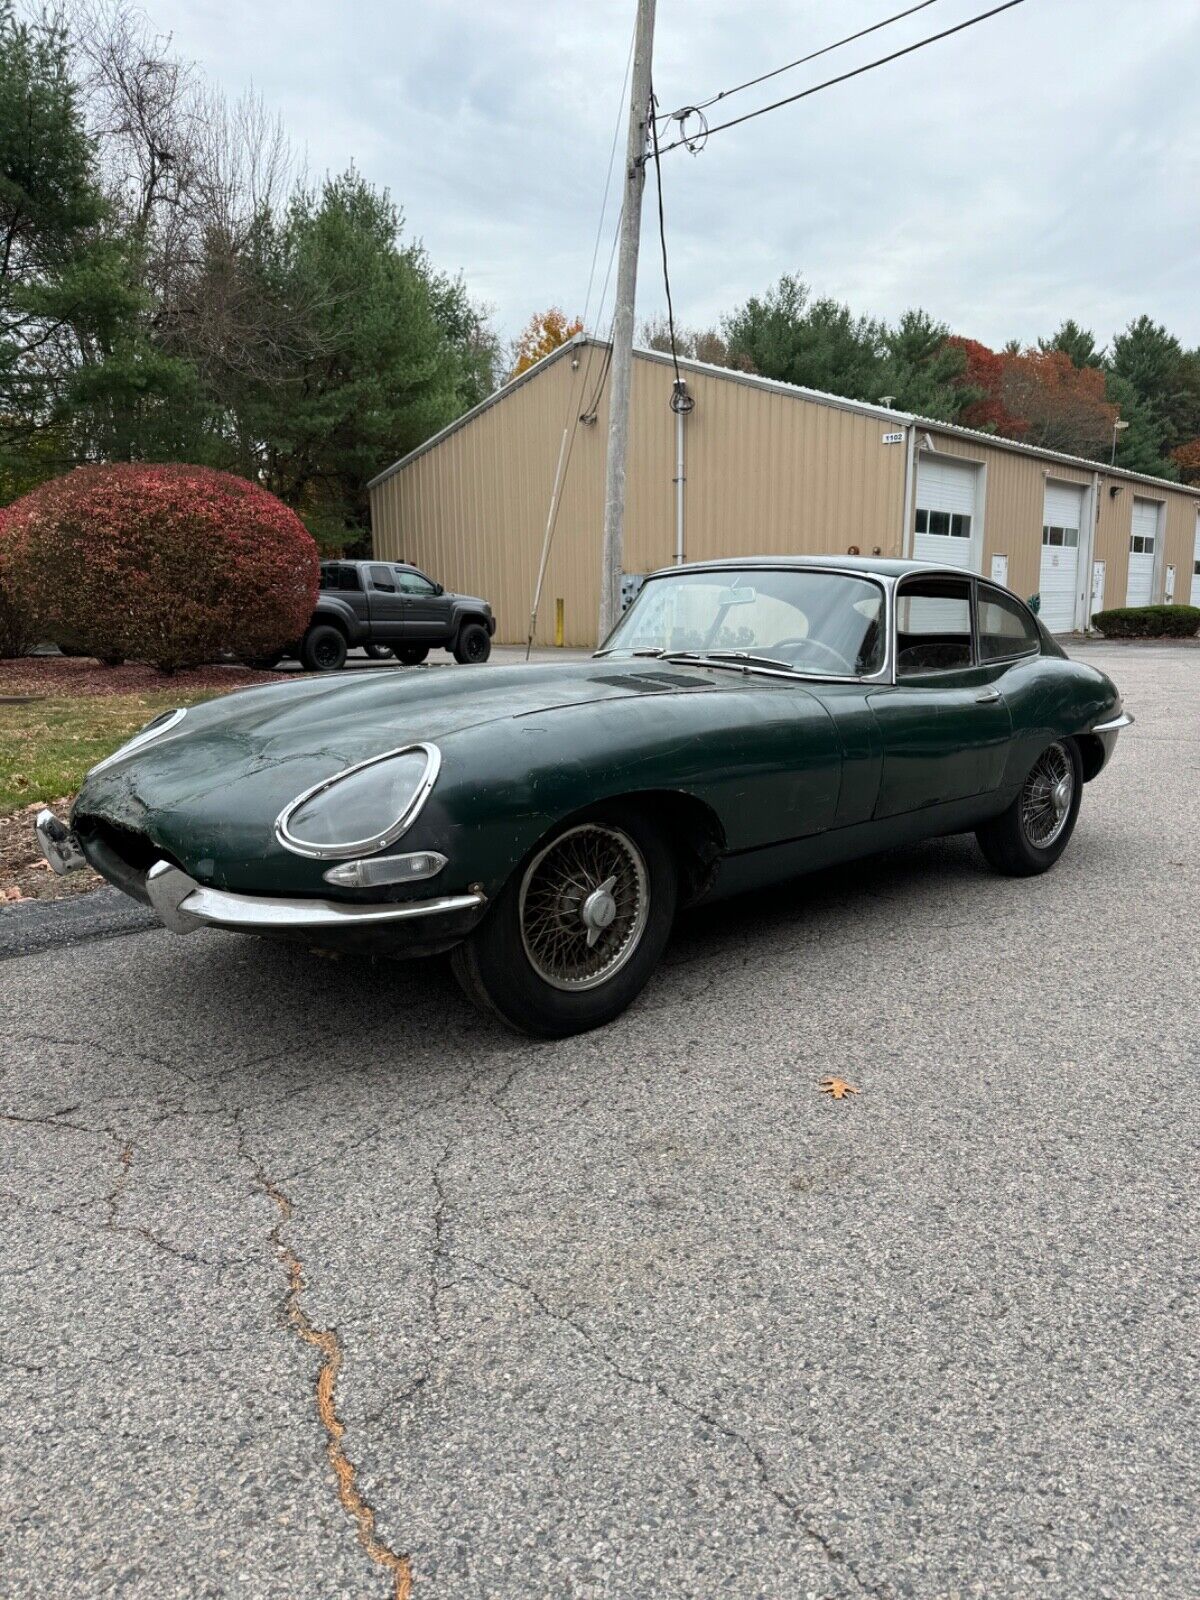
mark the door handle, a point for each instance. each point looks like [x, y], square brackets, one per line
[988, 697]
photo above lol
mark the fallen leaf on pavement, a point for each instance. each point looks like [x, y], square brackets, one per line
[837, 1087]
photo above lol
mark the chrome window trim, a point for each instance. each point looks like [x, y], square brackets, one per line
[881, 582]
[956, 574]
[379, 841]
[985, 584]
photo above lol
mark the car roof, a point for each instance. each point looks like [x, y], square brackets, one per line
[877, 566]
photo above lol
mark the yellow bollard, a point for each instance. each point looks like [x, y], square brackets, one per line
[559, 630]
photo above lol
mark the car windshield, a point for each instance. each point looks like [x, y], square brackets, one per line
[826, 623]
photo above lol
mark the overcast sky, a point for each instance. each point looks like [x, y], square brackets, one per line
[1042, 165]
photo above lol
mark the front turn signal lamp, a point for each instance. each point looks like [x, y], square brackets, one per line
[377, 870]
[362, 809]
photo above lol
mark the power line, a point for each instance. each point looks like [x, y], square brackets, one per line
[855, 73]
[802, 60]
[662, 235]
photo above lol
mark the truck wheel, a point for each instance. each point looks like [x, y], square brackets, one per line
[412, 655]
[324, 648]
[577, 930]
[377, 652]
[472, 645]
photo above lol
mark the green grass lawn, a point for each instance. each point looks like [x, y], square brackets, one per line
[47, 745]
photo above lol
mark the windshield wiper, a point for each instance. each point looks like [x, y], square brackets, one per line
[737, 657]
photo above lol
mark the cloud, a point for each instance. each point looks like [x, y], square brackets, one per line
[1043, 165]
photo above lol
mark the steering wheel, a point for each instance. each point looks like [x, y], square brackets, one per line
[816, 644]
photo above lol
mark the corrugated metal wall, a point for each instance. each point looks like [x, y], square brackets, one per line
[767, 473]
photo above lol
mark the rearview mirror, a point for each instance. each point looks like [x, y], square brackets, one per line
[737, 597]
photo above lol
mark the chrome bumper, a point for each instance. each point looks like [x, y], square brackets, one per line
[183, 905]
[58, 844]
[1125, 720]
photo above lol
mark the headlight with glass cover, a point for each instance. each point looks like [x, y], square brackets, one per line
[154, 729]
[362, 809]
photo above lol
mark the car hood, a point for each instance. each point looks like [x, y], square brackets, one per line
[320, 725]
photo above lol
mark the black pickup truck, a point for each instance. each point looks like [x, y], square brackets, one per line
[391, 608]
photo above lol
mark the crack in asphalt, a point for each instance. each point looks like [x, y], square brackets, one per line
[757, 1455]
[328, 1343]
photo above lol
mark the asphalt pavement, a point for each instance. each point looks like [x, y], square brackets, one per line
[316, 1283]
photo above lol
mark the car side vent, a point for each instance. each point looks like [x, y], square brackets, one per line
[655, 682]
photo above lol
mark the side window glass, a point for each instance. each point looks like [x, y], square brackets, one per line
[1005, 628]
[413, 583]
[381, 578]
[933, 625]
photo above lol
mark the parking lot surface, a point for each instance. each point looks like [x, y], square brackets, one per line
[317, 1283]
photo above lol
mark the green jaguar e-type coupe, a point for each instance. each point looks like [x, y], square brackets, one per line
[745, 721]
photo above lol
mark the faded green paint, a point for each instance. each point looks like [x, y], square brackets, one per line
[792, 773]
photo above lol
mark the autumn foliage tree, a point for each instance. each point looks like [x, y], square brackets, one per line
[1187, 458]
[543, 333]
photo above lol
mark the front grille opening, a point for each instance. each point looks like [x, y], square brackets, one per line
[135, 849]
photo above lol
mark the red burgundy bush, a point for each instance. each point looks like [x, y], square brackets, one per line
[15, 631]
[166, 564]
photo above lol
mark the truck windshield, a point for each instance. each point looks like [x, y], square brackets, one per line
[826, 623]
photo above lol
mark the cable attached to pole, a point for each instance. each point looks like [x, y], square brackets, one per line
[803, 60]
[856, 72]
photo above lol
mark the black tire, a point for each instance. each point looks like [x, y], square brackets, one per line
[1030, 836]
[263, 663]
[497, 965]
[412, 655]
[377, 652]
[324, 648]
[473, 644]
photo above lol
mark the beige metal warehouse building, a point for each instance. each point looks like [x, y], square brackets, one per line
[769, 469]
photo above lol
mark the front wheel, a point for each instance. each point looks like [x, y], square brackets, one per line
[576, 932]
[1030, 836]
[473, 644]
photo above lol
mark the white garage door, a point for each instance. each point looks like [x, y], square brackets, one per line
[945, 511]
[1142, 539]
[1196, 565]
[1061, 522]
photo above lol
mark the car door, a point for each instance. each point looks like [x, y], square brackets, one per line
[945, 725]
[426, 612]
[387, 605]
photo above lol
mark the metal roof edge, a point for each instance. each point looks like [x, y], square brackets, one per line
[492, 399]
[796, 391]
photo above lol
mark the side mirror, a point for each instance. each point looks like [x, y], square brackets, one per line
[439, 588]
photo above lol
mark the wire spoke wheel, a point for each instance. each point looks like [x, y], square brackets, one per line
[583, 906]
[1046, 797]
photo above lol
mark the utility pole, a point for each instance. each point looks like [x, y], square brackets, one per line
[622, 333]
